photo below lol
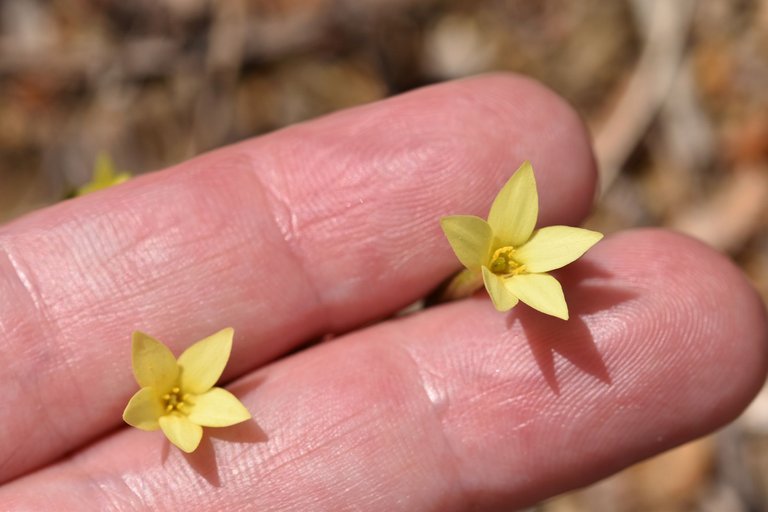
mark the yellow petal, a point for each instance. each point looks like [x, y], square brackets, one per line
[515, 210]
[104, 168]
[202, 363]
[540, 291]
[153, 364]
[470, 238]
[104, 176]
[502, 299]
[463, 284]
[181, 432]
[217, 408]
[554, 247]
[144, 409]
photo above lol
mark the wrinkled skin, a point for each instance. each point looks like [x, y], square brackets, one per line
[330, 227]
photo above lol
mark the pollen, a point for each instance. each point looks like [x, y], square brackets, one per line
[503, 262]
[175, 401]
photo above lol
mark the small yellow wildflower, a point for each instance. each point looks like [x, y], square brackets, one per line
[104, 176]
[178, 396]
[509, 255]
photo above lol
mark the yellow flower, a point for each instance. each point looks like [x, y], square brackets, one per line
[512, 258]
[104, 176]
[178, 396]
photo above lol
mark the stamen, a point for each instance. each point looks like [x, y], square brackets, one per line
[503, 262]
[174, 402]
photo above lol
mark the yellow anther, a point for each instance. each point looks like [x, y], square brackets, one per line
[503, 262]
[174, 402]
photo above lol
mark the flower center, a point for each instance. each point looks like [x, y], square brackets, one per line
[503, 262]
[175, 401]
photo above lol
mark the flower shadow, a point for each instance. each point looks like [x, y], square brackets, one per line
[589, 290]
[205, 460]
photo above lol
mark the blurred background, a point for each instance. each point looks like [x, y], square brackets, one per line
[674, 91]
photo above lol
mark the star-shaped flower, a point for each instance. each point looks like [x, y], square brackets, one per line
[178, 396]
[511, 257]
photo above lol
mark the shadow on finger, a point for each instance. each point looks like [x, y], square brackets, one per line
[590, 290]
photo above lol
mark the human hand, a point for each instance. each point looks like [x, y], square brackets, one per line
[326, 227]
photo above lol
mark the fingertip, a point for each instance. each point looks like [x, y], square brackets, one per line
[717, 315]
[563, 152]
[738, 344]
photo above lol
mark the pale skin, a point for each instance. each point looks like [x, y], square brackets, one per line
[332, 226]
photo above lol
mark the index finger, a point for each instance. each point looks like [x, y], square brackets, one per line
[313, 229]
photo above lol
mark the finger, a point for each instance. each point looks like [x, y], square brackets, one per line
[461, 407]
[310, 230]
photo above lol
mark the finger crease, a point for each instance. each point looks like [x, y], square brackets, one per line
[285, 222]
[437, 409]
[46, 332]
